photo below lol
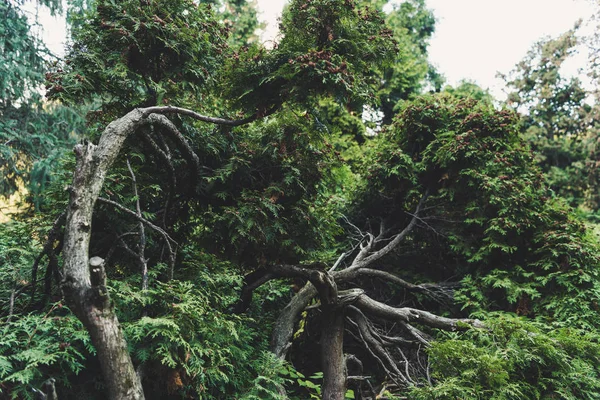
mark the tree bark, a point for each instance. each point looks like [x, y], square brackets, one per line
[332, 353]
[84, 283]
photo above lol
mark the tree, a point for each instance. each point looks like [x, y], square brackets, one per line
[416, 216]
[27, 154]
[407, 267]
[318, 56]
[558, 118]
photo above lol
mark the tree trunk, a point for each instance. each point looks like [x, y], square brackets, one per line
[84, 279]
[332, 353]
[84, 283]
[283, 331]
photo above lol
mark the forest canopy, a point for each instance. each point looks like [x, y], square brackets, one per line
[208, 217]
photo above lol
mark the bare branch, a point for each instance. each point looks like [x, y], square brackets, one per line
[360, 233]
[141, 219]
[374, 346]
[252, 281]
[141, 257]
[47, 250]
[166, 158]
[167, 239]
[213, 120]
[441, 293]
[322, 280]
[407, 314]
[339, 261]
[396, 241]
[421, 337]
[188, 153]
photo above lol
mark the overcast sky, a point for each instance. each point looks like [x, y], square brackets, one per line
[474, 39]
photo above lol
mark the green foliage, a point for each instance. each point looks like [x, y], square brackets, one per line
[520, 250]
[34, 137]
[129, 53]
[17, 252]
[513, 359]
[262, 194]
[269, 384]
[21, 54]
[241, 17]
[559, 119]
[467, 89]
[412, 25]
[187, 335]
[39, 346]
[32, 134]
[327, 48]
[273, 191]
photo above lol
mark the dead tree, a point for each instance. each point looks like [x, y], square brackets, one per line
[354, 309]
[84, 278]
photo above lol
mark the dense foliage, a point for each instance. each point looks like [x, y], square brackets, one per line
[328, 160]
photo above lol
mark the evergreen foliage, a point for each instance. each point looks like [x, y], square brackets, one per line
[190, 214]
[33, 134]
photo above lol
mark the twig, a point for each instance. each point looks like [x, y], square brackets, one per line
[142, 234]
[167, 239]
[166, 157]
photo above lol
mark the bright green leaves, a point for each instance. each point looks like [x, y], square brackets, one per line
[515, 359]
[131, 53]
[38, 346]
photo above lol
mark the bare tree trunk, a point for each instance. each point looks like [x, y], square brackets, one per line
[84, 283]
[283, 331]
[332, 353]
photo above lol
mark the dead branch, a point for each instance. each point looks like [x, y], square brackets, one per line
[373, 343]
[408, 315]
[213, 120]
[440, 292]
[141, 257]
[171, 244]
[188, 153]
[47, 249]
[166, 158]
[252, 282]
[363, 261]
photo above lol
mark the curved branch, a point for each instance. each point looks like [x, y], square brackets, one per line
[363, 262]
[441, 293]
[252, 281]
[213, 120]
[407, 314]
[188, 153]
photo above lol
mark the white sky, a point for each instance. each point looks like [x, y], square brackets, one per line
[474, 39]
